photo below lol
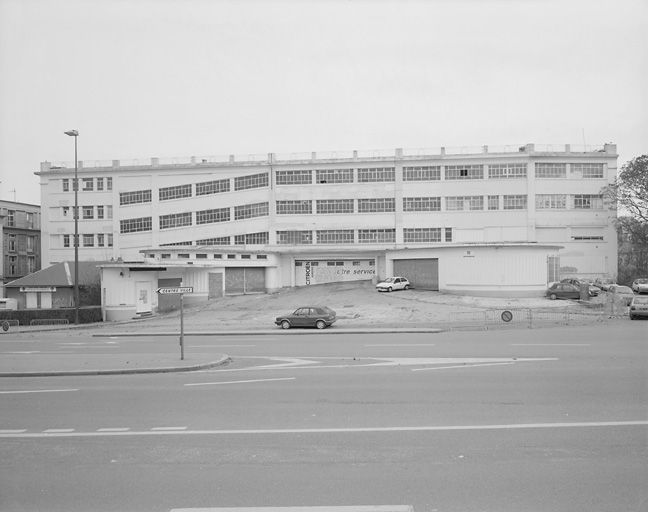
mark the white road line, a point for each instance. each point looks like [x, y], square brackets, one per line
[168, 429]
[113, 429]
[35, 391]
[457, 366]
[430, 428]
[12, 431]
[353, 508]
[218, 346]
[22, 352]
[238, 381]
[399, 345]
[550, 344]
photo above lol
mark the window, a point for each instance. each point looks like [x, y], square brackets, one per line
[588, 202]
[177, 192]
[135, 225]
[334, 206]
[11, 218]
[100, 184]
[135, 197]
[183, 256]
[251, 181]
[88, 240]
[421, 235]
[294, 177]
[459, 203]
[421, 204]
[376, 236]
[294, 207]
[551, 201]
[66, 240]
[383, 204]
[100, 212]
[376, 174]
[30, 243]
[65, 182]
[65, 210]
[175, 220]
[231, 256]
[87, 184]
[201, 256]
[246, 256]
[294, 237]
[516, 202]
[223, 240]
[334, 176]
[587, 171]
[422, 173]
[593, 237]
[12, 265]
[252, 239]
[448, 234]
[464, 172]
[110, 239]
[548, 170]
[493, 202]
[507, 171]
[12, 243]
[108, 183]
[261, 256]
[88, 212]
[165, 256]
[211, 216]
[30, 220]
[212, 187]
[334, 236]
[109, 211]
[31, 264]
[218, 256]
[183, 244]
[100, 240]
[248, 211]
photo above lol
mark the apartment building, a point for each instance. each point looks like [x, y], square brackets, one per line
[316, 217]
[21, 240]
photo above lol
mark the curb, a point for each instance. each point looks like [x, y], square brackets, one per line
[129, 371]
[291, 332]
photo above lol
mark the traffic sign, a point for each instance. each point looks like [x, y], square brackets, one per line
[175, 290]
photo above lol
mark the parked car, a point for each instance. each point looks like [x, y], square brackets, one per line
[563, 291]
[308, 316]
[393, 283]
[592, 290]
[604, 283]
[638, 307]
[621, 293]
[640, 285]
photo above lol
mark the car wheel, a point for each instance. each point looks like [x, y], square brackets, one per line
[632, 317]
[406, 287]
[389, 289]
[320, 324]
[553, 296]
[285, 324]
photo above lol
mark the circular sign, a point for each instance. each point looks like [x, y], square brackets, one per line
[5, 326]
[507, 316]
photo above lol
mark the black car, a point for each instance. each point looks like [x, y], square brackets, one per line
[592, 289]
[308, 316]
[563, 291]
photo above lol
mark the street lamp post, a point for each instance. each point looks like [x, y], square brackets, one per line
[75, 134]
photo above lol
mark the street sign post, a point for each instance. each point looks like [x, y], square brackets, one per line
[178, 290]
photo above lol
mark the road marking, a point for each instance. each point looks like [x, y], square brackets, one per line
[238, 381]
[23, 352]
[218, 346]
[458, 366]
[399, 345]
[550, 344]
[14, 431]
[36, 391]
[353, 508]
[168, 429]
[113, 429]
[430, 428]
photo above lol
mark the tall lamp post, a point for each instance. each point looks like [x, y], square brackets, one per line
[75, 134]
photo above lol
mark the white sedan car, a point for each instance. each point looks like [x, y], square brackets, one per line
[393, 283]
[640, 285]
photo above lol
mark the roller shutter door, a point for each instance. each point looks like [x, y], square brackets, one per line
[423, 274]
[244, 280]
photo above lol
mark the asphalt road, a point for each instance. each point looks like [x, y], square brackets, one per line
[552, 419]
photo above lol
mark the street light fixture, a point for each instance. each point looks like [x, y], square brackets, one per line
[75, 185]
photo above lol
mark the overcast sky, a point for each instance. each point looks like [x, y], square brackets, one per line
[175, 78]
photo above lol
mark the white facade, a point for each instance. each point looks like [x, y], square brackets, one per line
[342, 207]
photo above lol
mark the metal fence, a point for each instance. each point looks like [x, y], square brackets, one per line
[525, 318]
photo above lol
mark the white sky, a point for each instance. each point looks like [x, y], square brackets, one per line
[175, 78]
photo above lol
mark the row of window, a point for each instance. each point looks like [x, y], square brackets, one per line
[90, 240]
[12, 245]
[90, 212]
[88, 184]
[363, 236]
[10, 219]
[13, 266]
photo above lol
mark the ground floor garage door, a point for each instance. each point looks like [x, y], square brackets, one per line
[423, 274]
[244, 280]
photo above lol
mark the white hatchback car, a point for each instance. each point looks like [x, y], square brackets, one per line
[393, 283]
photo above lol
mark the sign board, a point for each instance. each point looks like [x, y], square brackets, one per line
[41, 289]
[175, 290]
[507, 316]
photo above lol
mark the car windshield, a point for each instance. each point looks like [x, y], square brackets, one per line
[389, 280]
[641, 281]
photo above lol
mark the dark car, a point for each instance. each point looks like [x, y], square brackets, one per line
[592, 290]
[563, 291]
[308, 316]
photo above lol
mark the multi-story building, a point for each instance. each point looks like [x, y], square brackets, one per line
[21, 240]
[358, 210]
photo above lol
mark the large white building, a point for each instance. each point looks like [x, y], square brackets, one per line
[491, 220]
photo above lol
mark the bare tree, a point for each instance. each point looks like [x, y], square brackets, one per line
[630, 189]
